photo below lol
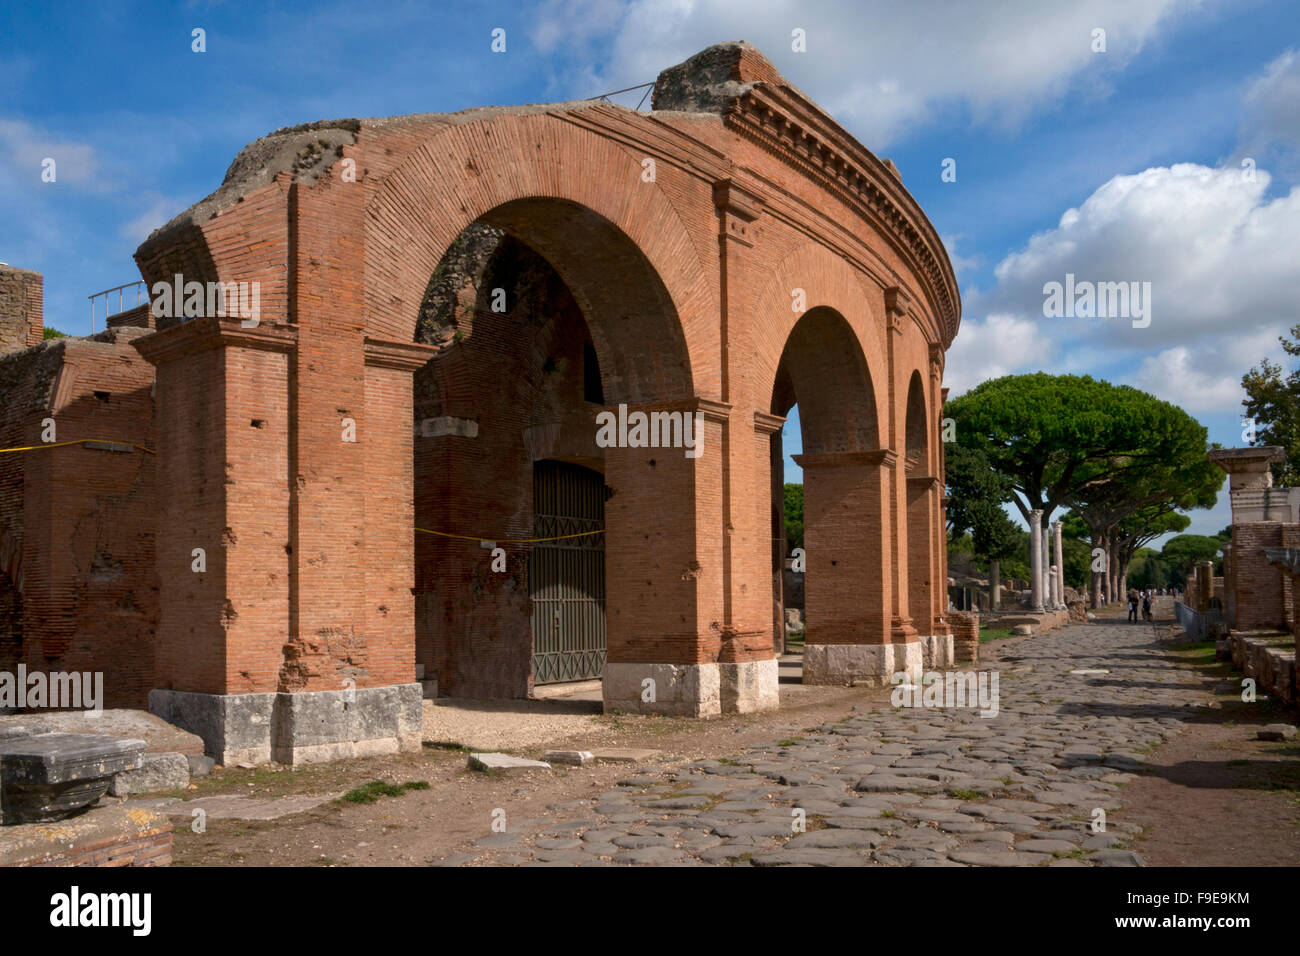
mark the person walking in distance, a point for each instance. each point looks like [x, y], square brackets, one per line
[1132, 607]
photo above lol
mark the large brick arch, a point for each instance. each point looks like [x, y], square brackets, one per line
[828, 283]
[577, 198]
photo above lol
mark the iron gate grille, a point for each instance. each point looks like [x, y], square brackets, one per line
[566, 579]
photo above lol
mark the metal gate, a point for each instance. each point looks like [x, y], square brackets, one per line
[566, 578]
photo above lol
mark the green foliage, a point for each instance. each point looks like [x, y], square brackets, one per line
[1068, 439]
[1148, 571]
[370, 792]
[1182, 552]
[976, 495]
[1273, 401]
[793, 517]
[53, 334]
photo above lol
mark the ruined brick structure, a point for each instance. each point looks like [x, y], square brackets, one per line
[462, 294]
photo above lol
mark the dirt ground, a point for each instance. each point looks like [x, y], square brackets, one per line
[1214, 796]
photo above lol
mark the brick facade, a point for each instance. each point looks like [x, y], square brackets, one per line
[769, 260]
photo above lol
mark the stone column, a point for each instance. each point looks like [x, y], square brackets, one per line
[1036, 560]
[1060, 564]
[1204, 584]
[995, 585]
[1048, 599]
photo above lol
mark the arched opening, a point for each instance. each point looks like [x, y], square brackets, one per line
[544, 312]
[922, 489]
[823, 371]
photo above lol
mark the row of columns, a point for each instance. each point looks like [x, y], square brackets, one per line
[1046, 576]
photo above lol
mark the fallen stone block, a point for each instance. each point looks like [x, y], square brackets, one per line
[573, 758]
[159, 772]
[53, 776]
[200, 766]
[1022, 630]
[504, 762]
[1275, 732]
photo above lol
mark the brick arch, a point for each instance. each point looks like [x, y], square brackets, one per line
[823, 368]
[578, 199]
[830, 283]
[916, 430]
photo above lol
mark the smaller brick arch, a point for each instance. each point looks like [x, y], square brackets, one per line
[917, 429]
[823, 369]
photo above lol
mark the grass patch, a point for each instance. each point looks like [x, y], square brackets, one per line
[888, 814]
[790, 741]
[370, 792]
[965, 794]
[994, 634]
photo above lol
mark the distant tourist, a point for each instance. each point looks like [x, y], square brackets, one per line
[1133, 606]
[1146, 608]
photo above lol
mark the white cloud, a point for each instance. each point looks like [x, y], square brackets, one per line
[1002, 60]
[24, 149]
[1271, 106]
[1218, 254]
[1000, 345]
[158, 211]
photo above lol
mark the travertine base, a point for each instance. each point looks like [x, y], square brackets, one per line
[873, 663]
[682, 690]
[307, 727]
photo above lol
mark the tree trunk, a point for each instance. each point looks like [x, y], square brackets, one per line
[1094, 583]
[995, 584]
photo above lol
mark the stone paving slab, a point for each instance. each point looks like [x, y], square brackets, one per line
[1078, 710]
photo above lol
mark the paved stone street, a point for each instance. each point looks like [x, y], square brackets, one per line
[902, 786]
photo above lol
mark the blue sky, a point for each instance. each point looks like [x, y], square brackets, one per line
[1115, 166]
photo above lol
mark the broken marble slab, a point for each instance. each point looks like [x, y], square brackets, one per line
[49, 777]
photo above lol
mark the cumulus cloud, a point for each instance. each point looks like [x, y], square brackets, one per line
[1000, 345]
[1219, 256]
[910, 62]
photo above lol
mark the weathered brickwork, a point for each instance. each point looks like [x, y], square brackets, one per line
[77, 520]
[22, 321]
[730, 255]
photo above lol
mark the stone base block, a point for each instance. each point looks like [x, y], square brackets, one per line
[873, 664]
[937, 651]
[297, 728]
[749, 687]
[683, 690]
[124, 835]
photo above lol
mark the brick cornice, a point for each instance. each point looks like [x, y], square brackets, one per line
[792, 128]
[881, 456]
[408, 356]
[928, 481]
[198, 335]
[713, 411]
[768, 424]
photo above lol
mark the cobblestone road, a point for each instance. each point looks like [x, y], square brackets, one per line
[902, 786]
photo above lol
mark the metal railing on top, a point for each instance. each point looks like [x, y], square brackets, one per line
[628, 89]
[140, 289]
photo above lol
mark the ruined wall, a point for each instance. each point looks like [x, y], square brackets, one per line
[22, 321]
[1261, 593]
[507, 391]
[76, 522]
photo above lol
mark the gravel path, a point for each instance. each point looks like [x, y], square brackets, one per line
[498, 725]
[902, 786]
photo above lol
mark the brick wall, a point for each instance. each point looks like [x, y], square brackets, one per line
[76, 522]
[965, 635]
[1261, 593]
[103, 836]
[21, 309]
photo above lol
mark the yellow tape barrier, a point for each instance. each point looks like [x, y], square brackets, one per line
[77, 441]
